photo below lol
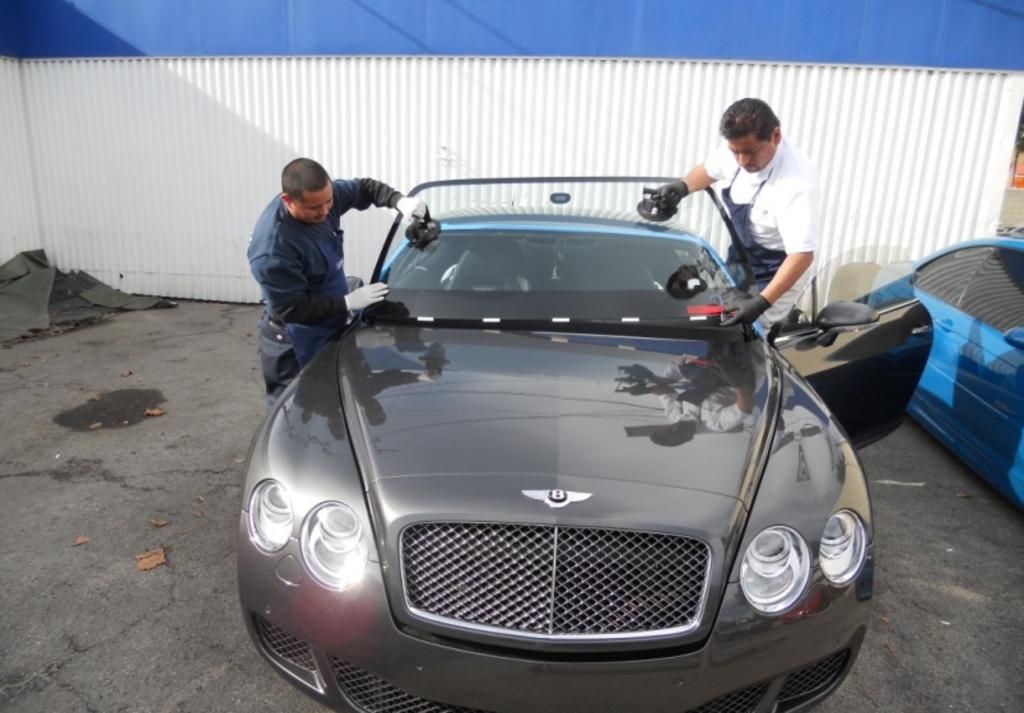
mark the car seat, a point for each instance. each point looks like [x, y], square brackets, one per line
[495, 268]
[616, 267]
[852, 281]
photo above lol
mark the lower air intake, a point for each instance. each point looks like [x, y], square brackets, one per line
[372, 694]
[814, 678]
[742, 701]
[285, 646]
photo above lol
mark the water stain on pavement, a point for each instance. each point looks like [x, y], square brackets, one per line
[113, 409]
[82, 470]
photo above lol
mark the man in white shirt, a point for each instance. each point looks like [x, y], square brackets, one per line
[771, 192]
[710, 394]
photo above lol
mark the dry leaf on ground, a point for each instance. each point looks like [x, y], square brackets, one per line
[25, 363]
[155, 411]
[886, 620]
[81, 540]
[197, 513]
[151, 558]
[97, 424]
[158, 522]
[890, 648]
[94, 397]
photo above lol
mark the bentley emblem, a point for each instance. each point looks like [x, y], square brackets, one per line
[557, 498]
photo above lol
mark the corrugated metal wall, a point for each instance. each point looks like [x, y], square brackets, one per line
[19, 218]
[151, 172]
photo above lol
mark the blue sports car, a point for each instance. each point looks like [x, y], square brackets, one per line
[971, 395]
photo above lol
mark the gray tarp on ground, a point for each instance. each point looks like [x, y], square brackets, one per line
[37, 297]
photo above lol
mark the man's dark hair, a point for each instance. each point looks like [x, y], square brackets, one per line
[748, 116]
[302, 175]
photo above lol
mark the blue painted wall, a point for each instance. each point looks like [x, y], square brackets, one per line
[950, 33]
[10, 23]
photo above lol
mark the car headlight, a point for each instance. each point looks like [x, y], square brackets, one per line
[843, 547]
[270, 516]
[334, 546]
[775, 569]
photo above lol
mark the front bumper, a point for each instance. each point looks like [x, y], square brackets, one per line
[345, 650]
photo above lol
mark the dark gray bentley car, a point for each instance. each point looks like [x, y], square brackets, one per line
[543, 478]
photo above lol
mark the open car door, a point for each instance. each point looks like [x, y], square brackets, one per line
[864, 358]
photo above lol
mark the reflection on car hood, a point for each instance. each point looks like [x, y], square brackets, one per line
[552, 410]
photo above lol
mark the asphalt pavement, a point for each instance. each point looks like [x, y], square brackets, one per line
[94, 493]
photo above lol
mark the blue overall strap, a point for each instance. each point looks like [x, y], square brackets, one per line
[764, 262]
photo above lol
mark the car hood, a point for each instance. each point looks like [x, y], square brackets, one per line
[459, 411]
[554, 430]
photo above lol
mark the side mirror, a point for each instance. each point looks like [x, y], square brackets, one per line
[842, 316]
[838, 315]
[1015, 337]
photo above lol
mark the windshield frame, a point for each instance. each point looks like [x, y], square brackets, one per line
[741, 281]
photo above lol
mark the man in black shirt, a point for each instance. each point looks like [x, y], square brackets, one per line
[296, 253]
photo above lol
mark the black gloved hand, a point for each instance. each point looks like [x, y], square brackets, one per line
[746, 311]
[670, 194]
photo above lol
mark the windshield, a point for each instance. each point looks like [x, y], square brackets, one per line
[557, 250]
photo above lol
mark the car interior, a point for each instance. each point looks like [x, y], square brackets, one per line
[548, 261]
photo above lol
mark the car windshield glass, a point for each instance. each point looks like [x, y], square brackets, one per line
[561, 250]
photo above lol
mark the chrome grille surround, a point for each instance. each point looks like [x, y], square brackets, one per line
[554, 582]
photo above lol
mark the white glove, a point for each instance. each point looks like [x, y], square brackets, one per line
[411, 207]
[364, 296]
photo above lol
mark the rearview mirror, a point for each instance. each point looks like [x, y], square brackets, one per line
[1015, 337]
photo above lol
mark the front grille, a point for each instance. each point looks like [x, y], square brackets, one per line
[541, 580]
[284, 645]
[372, 694]
[814, 678]
[742, 701]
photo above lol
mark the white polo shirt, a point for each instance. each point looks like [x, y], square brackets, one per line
[786, 212]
